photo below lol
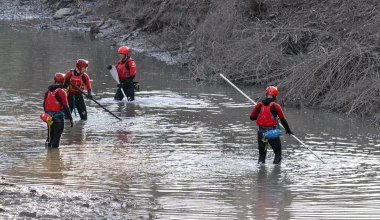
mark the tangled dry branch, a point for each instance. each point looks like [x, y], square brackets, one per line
[319, 53]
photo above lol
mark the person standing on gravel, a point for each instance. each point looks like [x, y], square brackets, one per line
[126, 69]
[80, 78]
[267, 113]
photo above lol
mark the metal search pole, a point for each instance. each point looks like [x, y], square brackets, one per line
[221, 75]
[77, 88]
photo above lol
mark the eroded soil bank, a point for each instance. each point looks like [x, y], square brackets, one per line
[319, 54]
[22, 202]
[333, 67]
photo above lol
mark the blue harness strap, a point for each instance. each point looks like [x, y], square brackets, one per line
[74, 107]
[56, 114]
[275, 132]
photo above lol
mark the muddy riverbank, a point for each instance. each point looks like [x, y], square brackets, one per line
[183, 150]
[21, 202]
[318, 55]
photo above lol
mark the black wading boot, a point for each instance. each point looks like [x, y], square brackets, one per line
[262, 156]
[277, 159]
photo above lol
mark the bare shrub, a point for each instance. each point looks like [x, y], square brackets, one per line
[330, 65]
[346, 80]
[254, 9]
[57, 4]
[170, 23]
[319, 53]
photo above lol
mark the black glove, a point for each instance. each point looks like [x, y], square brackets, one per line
[286, 126]
[120, 85]
[289, 132]
[71, 123]
[109, 67]
[89, 95]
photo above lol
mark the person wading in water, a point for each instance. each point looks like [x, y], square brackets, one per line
[266, 113]
[126, 69]
[80, 78]
[55, 106]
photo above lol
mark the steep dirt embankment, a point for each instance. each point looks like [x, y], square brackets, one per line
[319, 53]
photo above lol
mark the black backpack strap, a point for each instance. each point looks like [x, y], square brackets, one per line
[126, 64]
[83, 79]
[259, 109]
[72, 73]
[273, 110]
[58, 97]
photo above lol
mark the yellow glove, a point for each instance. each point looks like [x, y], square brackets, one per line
[49, 121]
[137, 86]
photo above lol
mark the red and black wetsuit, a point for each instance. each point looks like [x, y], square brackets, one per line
[266, 113]
[126, 70]
[55, 104]
[75, 97]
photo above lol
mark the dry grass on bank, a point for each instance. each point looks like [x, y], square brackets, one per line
[319, 53]
[345, 80]
[324, 58]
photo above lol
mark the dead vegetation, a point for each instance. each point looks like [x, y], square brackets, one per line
[322, 53]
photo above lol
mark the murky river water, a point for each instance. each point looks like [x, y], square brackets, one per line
[182, 150]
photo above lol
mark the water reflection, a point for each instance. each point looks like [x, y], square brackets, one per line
[76, 135]
[181, 150]
[127, 111]
[55, 166]
[124, 136]
[272, 198]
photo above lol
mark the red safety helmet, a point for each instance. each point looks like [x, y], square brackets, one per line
[59, 77]
[123, 50]
[271, 90]
[82, 63]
